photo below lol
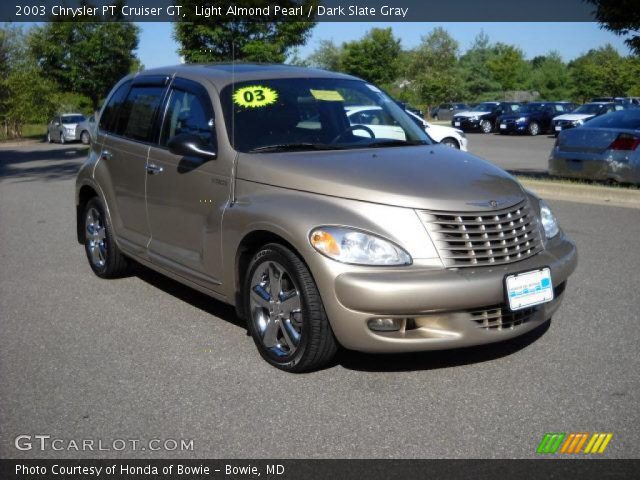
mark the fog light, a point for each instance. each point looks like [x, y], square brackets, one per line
[385, 324]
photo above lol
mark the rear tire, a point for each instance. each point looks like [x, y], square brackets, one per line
[105, 258]
[285, 315]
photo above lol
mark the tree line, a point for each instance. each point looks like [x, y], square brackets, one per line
[437, 71]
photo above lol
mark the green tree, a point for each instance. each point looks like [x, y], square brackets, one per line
[220, 39]
[85, 57]
[621, 17]
[25, 94]
[508, 67]
[434, 68]
[550, 77]
[477, 78]
[328, 56]
[373, 57]
[600, 72]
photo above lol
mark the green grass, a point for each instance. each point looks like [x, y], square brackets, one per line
[34, 131]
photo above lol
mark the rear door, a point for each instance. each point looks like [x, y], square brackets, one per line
[186, 196]
[124, 151]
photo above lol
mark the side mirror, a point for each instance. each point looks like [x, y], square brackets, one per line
[190, 145]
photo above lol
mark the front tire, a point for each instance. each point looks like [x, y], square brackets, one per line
[62, 140]
[285, 314]
[485, 126]
[105, 258]
[533, 129]
[450, 142]
[49, 139]
[85, 138]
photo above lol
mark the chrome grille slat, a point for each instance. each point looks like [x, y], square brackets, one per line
[501, 318]
[471, 239]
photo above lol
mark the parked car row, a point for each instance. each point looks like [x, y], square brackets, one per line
[531, 118]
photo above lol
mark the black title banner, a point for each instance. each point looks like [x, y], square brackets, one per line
[202, 11]
[317, 469]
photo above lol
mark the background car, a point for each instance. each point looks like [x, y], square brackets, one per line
[445, 111]
[87, 130]
[484, 115]
[532, 118]
[63, 128]
[605, 148]
[451, 137]
[582, 114]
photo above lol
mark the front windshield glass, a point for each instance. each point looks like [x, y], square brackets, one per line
[589, 108]
[72, 119]
[531, 108]
[485, 107]
[314, 114]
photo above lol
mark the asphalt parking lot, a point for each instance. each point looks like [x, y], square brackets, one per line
[144, 357]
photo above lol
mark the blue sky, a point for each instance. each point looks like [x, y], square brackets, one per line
[158, 48]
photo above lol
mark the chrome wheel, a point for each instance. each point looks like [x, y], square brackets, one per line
[276, 309]
[96, 238]
[486, 126]
[534, 128]
[84, 138]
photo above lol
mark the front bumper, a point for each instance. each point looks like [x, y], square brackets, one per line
[512, 127]
[441, 308]
[465, 123]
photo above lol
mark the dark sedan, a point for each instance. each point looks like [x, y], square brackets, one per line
[533, 118]
[605, 148]
[483, 116]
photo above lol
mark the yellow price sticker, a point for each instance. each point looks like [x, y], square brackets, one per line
[255, 96]
[327, 95]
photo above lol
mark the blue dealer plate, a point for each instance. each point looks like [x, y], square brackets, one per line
[529, 288]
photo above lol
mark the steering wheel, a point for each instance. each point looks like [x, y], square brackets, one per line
[351, 129]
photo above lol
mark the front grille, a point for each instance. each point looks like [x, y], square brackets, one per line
[484, 238]
[501, 318]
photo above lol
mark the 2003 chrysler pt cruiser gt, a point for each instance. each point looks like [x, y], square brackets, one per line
[249, 183]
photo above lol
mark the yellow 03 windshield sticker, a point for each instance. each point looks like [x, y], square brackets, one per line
[327, 95]
[255, 96]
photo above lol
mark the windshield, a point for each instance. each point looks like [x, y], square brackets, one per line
[590, 108]
[314, 113]
[72, 119]
[531, 108]
[485, 107]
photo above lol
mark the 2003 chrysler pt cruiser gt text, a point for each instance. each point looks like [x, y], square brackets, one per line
[249, 183]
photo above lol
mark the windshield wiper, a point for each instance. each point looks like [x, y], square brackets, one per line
[395, 143]
[292, 147]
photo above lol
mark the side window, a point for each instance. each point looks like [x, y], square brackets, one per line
[110, 112]
[187, 113]
[138, 112]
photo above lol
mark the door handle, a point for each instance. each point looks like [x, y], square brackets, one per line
[106, 154]
[153, 169]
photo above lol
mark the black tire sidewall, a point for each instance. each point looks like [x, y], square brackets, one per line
[107, 270]
[280, 255]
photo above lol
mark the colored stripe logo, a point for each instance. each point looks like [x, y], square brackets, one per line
[573, 443]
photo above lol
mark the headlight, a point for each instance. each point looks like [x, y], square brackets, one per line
[474, 119]
[521, 119]
[353, 246]
[578, 122]
[548, 219]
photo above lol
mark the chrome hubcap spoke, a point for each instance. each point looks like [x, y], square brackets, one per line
[276, 309]
[96, 238]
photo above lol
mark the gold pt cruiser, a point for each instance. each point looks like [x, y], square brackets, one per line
[256, 185]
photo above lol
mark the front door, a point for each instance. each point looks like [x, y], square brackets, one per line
[186, 196]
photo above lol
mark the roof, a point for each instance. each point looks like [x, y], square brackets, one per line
[222, 74]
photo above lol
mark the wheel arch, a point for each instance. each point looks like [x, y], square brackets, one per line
[453, 139]
[248, 246]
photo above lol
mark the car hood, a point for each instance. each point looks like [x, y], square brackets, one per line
[438, 132]
[433, 177]
[471, 114]
[70, 125]
[574, 116]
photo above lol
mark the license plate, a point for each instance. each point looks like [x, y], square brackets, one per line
[558, 128]
[503, 126]
[456, 124]
[529, 288]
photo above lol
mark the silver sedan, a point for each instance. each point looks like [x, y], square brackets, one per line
[604, 148]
